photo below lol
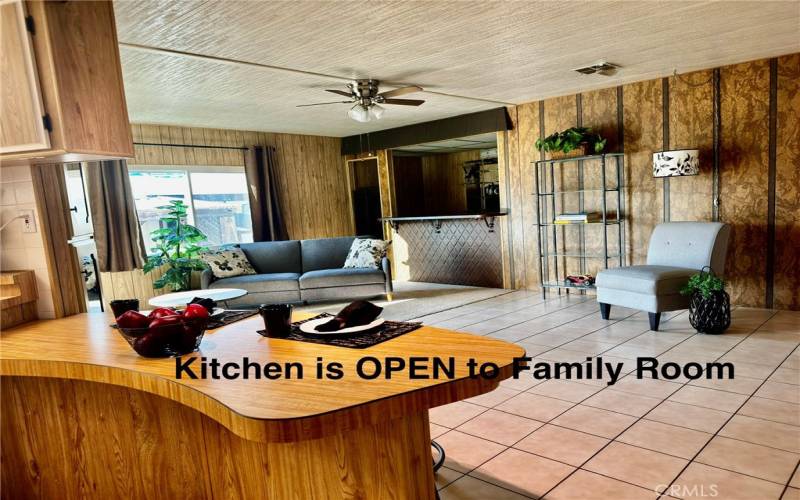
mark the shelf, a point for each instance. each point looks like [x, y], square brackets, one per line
[580, 256]
[581, 158]
[607, 223]
[551, 193]
[555, 284]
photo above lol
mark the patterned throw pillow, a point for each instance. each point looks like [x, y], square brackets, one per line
[366, 252]
[228, 262]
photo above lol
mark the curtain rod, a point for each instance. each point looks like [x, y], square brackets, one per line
[240, 148]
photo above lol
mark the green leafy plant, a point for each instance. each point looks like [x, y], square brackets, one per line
[571, 139]
[705, 283]
[177, 246]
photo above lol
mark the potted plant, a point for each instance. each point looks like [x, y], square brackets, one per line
[177, 246]
[575, 141]
[710, 305]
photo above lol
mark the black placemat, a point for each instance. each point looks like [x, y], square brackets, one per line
[387, 331]
[228, 317]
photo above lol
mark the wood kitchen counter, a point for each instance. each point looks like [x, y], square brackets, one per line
[81, 412]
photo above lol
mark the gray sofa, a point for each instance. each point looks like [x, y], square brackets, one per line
[302, 270]
[677, 250]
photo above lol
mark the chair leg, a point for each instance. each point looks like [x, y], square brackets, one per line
[654, 318]
[605, 310]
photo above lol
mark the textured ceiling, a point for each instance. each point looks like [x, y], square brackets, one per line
[468, 55]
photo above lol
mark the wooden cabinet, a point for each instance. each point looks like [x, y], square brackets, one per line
[62, 92]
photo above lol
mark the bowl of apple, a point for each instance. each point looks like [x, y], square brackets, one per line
[164, 332]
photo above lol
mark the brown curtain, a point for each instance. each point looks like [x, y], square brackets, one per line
[117, 233]
[260, 164]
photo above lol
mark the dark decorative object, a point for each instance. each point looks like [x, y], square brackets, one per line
[387, 331]
[123, 305]
[277, 320]
[357, 313]
[710, 305]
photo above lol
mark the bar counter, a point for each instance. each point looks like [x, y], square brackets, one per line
[83, 415]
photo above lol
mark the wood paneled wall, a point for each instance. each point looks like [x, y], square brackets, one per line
[758, 105]
[311, 176]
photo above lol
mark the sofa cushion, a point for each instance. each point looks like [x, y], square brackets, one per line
[226, 263]
[366, 252]
[341, 277]
[269, 257]
[274, 282]
[327, 253]
[652, 280]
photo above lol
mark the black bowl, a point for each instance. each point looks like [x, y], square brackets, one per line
[166, 340]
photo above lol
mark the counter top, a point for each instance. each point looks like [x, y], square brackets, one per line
[84, 347]
[485, 215]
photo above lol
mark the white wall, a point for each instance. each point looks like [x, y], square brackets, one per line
[18, 250]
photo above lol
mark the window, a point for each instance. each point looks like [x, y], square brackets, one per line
[216, 197]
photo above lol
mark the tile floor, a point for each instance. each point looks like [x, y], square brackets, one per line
[638, 438]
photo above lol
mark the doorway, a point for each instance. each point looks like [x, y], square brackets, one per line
[366, 195]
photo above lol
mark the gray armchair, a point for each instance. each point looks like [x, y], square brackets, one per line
[677, 250]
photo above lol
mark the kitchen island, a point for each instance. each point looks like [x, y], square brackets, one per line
[84, 416]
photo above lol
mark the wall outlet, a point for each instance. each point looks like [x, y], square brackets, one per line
[28, 220]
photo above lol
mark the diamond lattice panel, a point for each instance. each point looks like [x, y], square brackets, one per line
[462, 253]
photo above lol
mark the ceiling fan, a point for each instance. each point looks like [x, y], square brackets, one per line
[366, 100]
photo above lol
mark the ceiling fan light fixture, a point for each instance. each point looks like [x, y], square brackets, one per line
[359, 113]
[376, 111]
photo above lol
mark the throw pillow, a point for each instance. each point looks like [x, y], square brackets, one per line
[228, 262]
[366, 252]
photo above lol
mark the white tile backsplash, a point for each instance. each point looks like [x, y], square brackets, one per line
[19, 250]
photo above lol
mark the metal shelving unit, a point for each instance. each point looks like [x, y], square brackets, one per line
[553, 197]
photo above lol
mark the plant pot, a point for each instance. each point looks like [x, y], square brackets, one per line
[710, 315]
[581, 150]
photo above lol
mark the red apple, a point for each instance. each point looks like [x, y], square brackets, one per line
[133, 319]
[149, 345]
[195, 311]
[160, 312]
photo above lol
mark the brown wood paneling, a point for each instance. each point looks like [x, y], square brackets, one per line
[787, 186]
[744, 177]
[690, 127]
[642, 116]
[526, 236]
[443, 180]
[408, 186]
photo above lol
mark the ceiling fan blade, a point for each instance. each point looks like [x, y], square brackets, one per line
[401, 91]
[403, 102]
[340, 92]
[322, 103]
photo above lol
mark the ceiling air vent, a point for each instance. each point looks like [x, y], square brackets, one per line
[601, 68]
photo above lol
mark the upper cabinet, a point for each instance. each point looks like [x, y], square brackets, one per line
[61, 82]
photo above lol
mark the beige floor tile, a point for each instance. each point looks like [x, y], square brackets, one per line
[621, 402]
[646, 387]
[770, 409]
[493, 398]
[739, 385]
[523, 472]
[709, 398]
[446, 476]
[789, 393]
[754, 430]
[665, 438]
[565, 445]
[786, 375]
[534, 406]
[565, 390]
[751, 370]
[585, 485]
[689, 416]
[791, 494]
[795, 482]
[703, 481]
[454, 414]
[594, 421]
[469, 488]
[750, 459]
[500, 427]
[437, 430]
[464, 452]
[638, 466]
